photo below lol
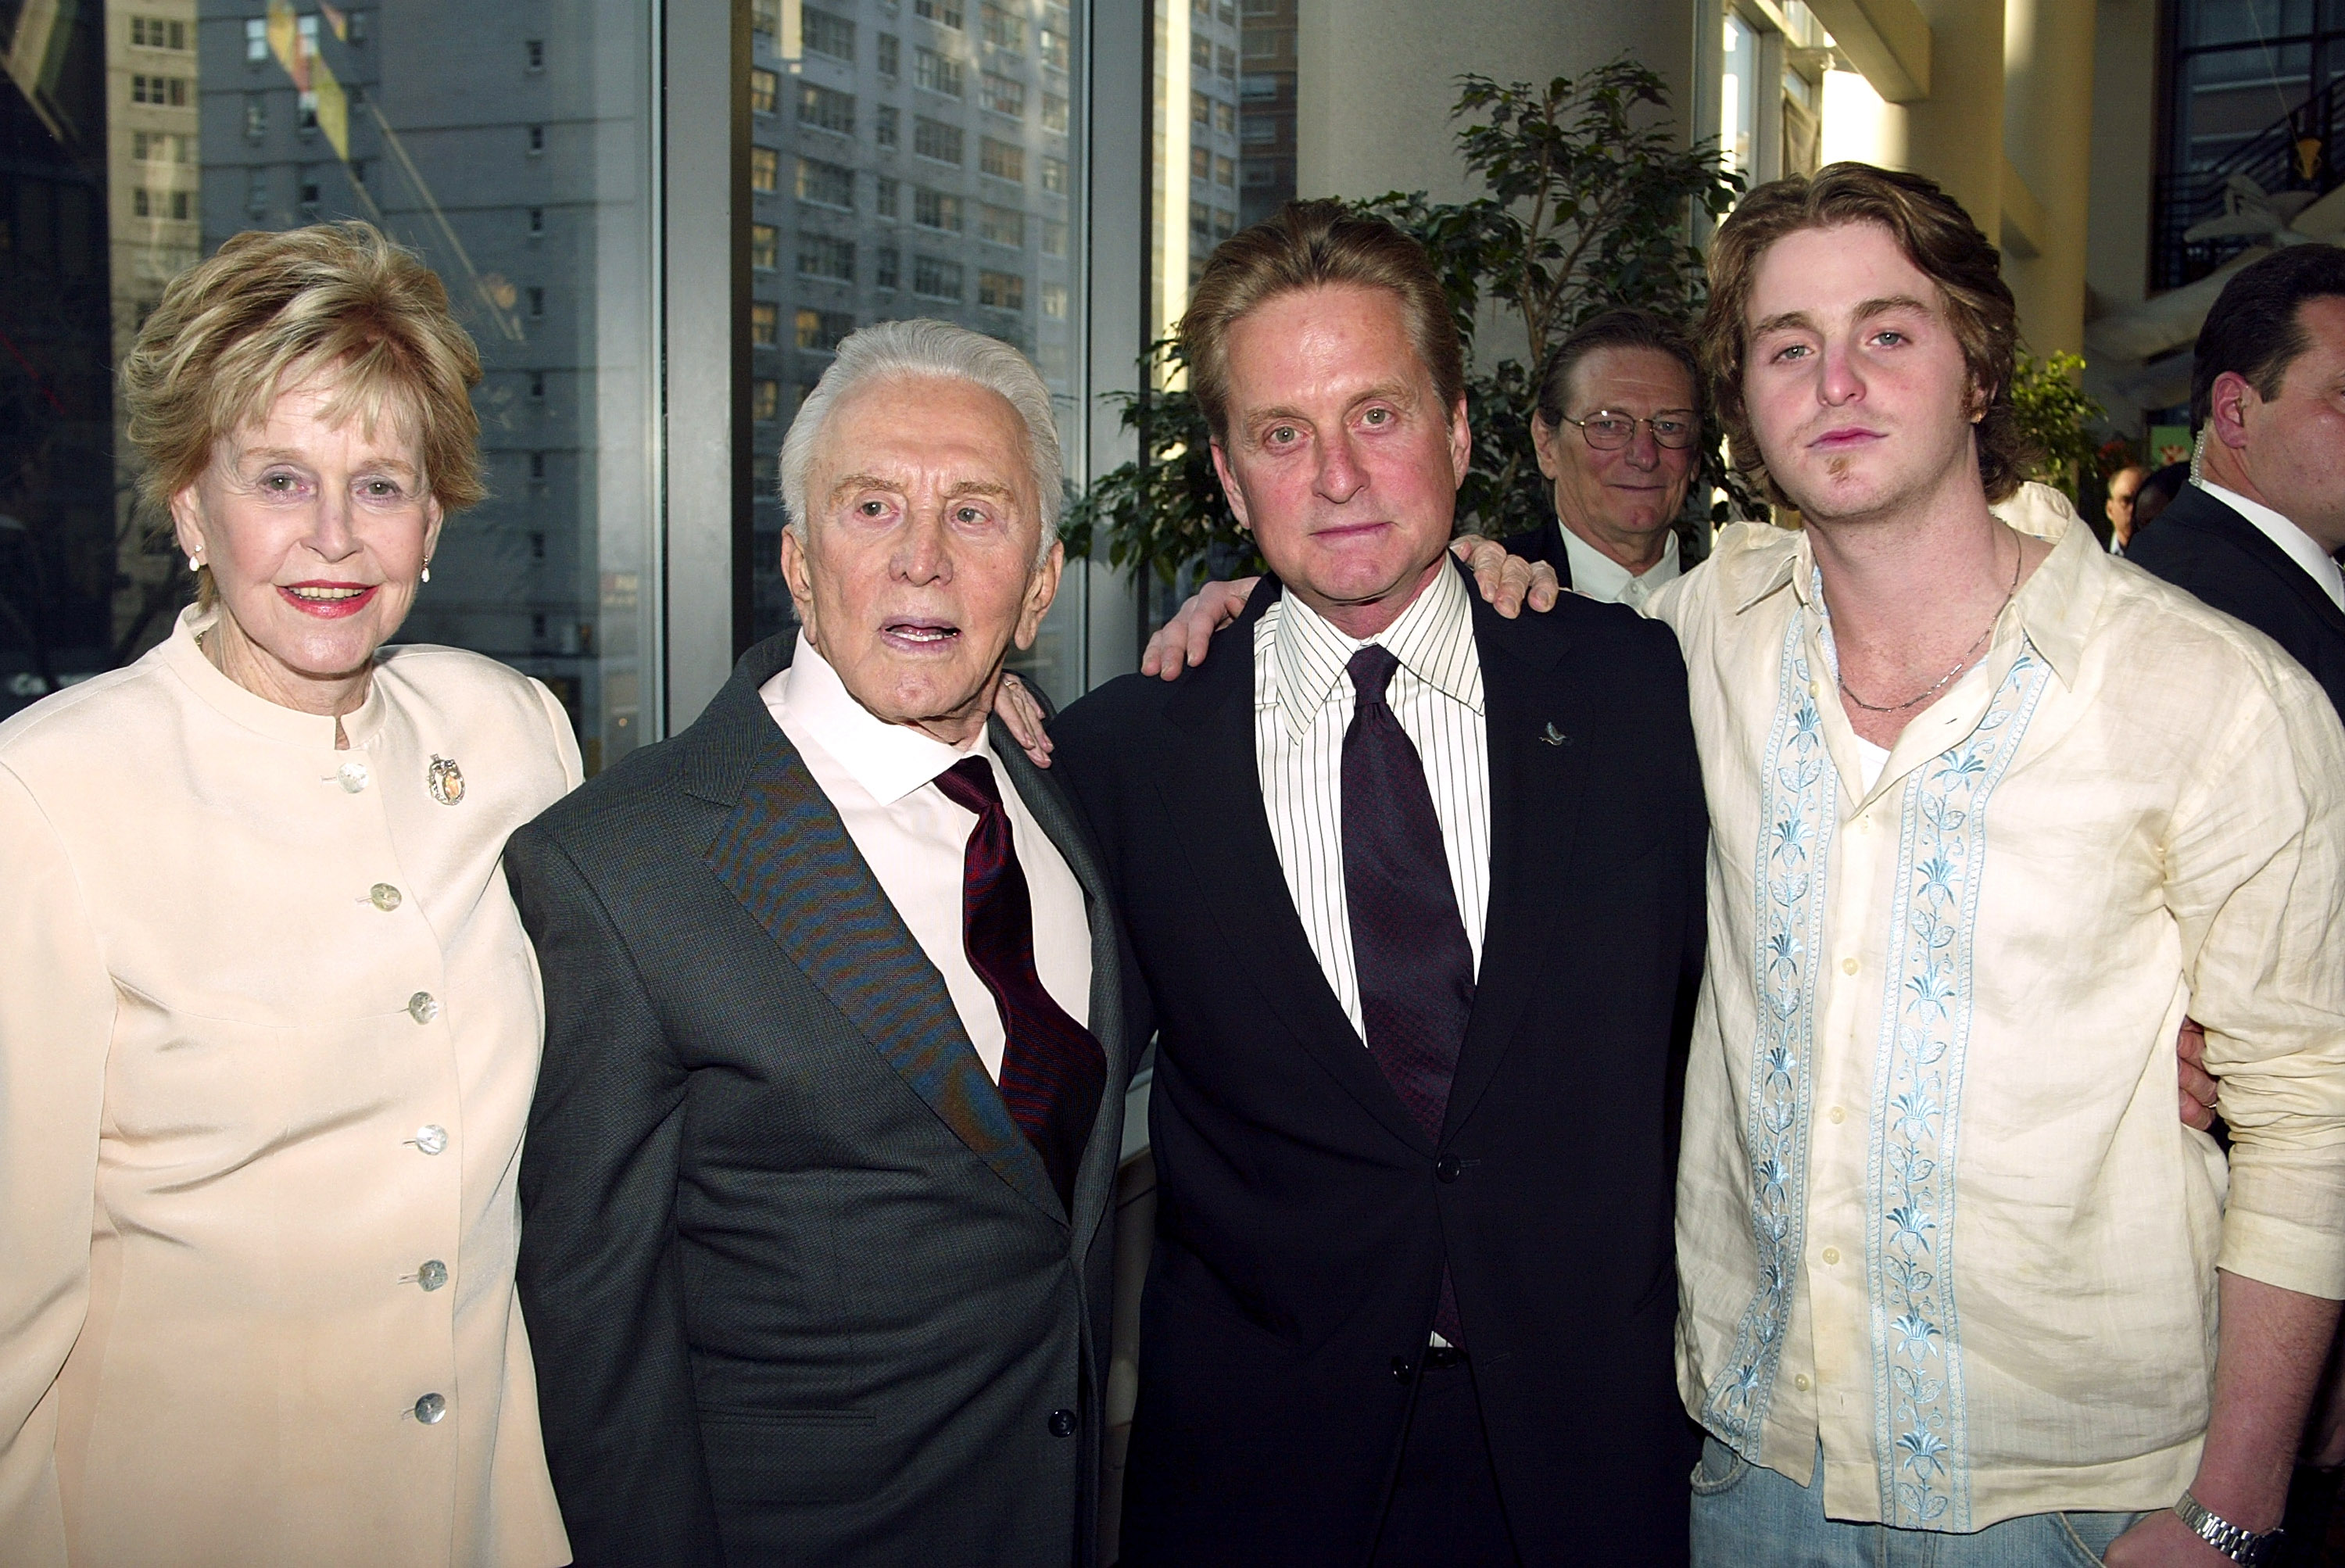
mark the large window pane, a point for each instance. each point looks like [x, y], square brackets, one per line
[510, 147]
[934, 180]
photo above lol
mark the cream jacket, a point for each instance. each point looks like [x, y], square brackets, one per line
[268, 1032]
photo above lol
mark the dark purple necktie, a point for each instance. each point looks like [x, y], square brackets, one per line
[1409, 944]
[1052, 1070]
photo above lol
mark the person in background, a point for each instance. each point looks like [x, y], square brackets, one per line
[2256, 535]
[2157, 492]
[1617, 432]
[2125, 485]
[269, 1021]
[818, 1251]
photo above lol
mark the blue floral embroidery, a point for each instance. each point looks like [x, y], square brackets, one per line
[1799, 806]
[1919, 1442]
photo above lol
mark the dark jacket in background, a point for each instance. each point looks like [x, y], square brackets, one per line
[798, 1288]
[2199, 543]
[1304, 1216]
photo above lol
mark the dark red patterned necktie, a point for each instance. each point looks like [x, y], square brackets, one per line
[1052, 1070]
[1409, 944]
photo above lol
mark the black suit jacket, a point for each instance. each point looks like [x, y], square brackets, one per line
[1305, 1218]
[1544, 543]
[2199, 543]
[799, 1289]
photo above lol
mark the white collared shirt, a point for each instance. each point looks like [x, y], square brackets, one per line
[1303, 701]
[1934, 1210]
[1600, 577]
[880, 778]
[2302, 547]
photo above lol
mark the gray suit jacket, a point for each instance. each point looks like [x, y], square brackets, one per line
[798, 1288]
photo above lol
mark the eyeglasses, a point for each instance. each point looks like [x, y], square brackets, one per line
[1608, 432]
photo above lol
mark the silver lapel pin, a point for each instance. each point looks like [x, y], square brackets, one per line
[1555, 737]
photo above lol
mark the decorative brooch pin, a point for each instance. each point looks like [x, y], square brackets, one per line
[446, 780]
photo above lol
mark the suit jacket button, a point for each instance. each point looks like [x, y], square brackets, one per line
[1062, 1423]
[1403, 1371]
[1448, 1166]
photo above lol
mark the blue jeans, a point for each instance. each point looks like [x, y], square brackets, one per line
[1746, 1516]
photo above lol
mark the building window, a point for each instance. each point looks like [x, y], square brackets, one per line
[256, 40]
[765, 22]
[1051, 43]
[1054, 301]
[1054, 238]
[1225, 223]
[1225, 63]
[1225, 118]
[765, 401]
[886, 203]
[944, 13]
[1201, 53]
[825, 183]
[537, 302]
[935, 209]
[157, 33]
[883, 128]
[537, 465]
[536, 221]
[765, 246]
[1200, 163]
[820, 256]
[827, 34]
[140, 202]
[1225, 171]
[825, 110]
[883, 268]
[764, 169]
[179, 206]
[765, 87]
[1002, 94]
[821, 332]
[1001, 28]
[537, 140]
[533, 54]
[1054, 113]
[935, 279]
[164, 92]
[537, 390]
[537, 551]
[937, 72]
[1001, 159]
[255, 117]
[1002, 225]
[1259, 130]
[765, 324]
[1054, 175]
[1002, 291]
[888, 54]
[255, 193]
[935, 140]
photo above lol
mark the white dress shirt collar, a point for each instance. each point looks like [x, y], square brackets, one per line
[890, 761]
[1433, 639]
[2302, 547]
[1600, 577]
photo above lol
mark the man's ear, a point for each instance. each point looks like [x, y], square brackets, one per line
[1230, 488]
[798, 575]
[1543, 445]
[1461, 444]
[1041, 589]
[2228, 406]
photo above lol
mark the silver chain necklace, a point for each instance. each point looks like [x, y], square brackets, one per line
[2019, 556]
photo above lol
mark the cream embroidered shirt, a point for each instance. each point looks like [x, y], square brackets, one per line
[1935, 1210]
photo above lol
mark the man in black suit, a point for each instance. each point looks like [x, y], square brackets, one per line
[2256, 534]
[815, 1256]
[1415, 894]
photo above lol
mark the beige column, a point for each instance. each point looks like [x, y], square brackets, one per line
[2047, 143]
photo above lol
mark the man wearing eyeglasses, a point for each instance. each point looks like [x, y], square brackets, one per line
[1615, 429]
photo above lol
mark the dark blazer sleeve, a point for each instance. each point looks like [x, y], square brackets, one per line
[599, 1280]
[2262, 587]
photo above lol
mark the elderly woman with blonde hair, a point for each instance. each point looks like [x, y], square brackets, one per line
[269, 1024]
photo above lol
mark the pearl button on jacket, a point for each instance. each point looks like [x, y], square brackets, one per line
[268, 1033]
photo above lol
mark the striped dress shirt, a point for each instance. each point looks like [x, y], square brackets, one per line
[1303, 701]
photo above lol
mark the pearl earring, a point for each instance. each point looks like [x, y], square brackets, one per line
[195, 562]
[427, 571]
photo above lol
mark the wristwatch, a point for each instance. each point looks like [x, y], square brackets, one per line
[2240, 1545]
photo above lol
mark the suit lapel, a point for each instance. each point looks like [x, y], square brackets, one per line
[2259, 546]
[1211, 791]
[1057, 818]
[1535, 790]
[786, 856]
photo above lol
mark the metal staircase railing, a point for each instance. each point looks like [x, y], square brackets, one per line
[2299, 151]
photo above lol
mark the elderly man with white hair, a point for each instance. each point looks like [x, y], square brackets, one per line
[816, 1258]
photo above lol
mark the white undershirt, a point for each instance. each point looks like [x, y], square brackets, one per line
[880, 778]
[2301, 547]
[1870, 760]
